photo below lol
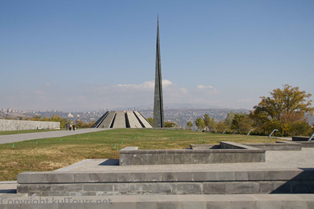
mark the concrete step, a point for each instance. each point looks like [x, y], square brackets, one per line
[280, 201]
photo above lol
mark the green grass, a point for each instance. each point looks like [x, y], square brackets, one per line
[50, 154]
[28, 131]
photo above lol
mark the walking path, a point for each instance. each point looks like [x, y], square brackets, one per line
[41, 135]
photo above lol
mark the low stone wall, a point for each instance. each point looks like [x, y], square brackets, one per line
[278, 146]
[306, 144]
[165, 182]
[230, 153]
[14, 125]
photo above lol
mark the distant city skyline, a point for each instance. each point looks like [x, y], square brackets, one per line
[84, 56]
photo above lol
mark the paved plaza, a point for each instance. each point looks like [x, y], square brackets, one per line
[4, 139]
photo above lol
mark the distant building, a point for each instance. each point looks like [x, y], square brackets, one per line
[70, 115]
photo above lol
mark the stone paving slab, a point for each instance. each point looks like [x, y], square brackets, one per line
[252, 201]
[4, 139]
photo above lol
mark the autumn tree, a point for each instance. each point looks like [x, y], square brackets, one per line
[284, 106]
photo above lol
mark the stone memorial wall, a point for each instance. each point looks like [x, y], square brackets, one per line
[14, 125]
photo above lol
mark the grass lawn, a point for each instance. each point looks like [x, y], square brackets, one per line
[53, 153]
[29, 131]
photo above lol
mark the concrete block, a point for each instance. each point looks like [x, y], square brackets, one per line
[97, 187]
[136, 159]
[184, 176]
[226, 176]
[178, 158]
[241, 176]
[81, 177]
[137, 177]
[266, 187]
[201, 176]
[187, 188]
[152, 159]
[65, 187]
[282, 187]
[24, 178]
[124, 177]
[110, 177]
[136, 188]
[214, 188]
[168, 158]
[160, 188]
[273, 175]
[56, 178]
[121, 188]
[153, 176]
[169, 176]
[26, 188]
[242, 188]
[256, 175]
[96, 177]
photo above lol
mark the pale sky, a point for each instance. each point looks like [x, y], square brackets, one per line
[89, 55]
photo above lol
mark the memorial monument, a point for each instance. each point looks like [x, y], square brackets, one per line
[158, 98]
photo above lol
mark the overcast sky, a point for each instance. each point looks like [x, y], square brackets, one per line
[88, 55]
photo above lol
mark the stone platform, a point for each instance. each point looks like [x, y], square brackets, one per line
[283, 172]
[228, 152]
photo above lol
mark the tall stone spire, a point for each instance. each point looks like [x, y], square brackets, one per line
[158, 99]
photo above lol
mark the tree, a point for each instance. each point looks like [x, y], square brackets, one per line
[228, 119]
[200, 123]
[287, 104]
[150, 120]
[245, 124]
[212, 124]
[189, 125]
[206, 120]
[221, 126]
[169, 124]
[242, 122]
